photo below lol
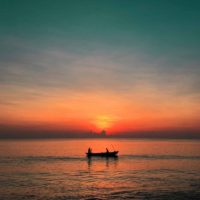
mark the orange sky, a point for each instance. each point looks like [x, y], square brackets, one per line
[146, 109]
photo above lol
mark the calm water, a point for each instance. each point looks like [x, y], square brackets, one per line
[58, 169]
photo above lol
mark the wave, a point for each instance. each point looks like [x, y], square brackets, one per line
[5, 160]
[50, 158]
[161, 157]
[30, 159]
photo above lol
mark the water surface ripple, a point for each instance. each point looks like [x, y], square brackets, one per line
[57, 170]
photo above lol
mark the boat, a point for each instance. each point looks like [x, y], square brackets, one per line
[103, 154]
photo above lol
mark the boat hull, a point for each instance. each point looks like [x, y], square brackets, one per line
[103, 154]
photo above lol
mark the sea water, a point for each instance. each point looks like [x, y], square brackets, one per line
[59, 169]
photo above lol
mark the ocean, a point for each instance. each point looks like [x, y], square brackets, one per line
[58, 169]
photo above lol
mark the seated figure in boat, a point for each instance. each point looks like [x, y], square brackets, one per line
[89, 150]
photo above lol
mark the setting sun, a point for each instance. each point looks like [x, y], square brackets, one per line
[103, 121]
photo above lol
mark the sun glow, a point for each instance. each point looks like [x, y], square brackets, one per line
[103, 122]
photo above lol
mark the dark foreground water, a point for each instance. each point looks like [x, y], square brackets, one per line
[58, 170]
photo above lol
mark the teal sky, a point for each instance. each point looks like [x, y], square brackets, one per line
[156, 31]
[119, 47]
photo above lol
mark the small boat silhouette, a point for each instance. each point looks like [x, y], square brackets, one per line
[103, 154]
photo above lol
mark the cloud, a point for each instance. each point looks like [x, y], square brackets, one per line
[115, 70]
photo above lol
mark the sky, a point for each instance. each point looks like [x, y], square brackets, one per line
[73, 66]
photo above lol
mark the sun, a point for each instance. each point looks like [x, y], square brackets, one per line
[103, 121]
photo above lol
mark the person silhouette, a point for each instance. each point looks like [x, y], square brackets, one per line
[107, 150]
[89, 150]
